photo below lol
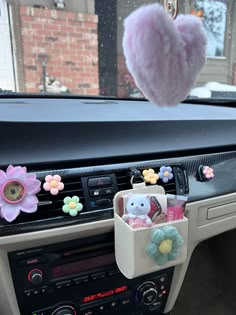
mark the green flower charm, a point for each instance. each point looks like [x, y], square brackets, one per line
[72, 206]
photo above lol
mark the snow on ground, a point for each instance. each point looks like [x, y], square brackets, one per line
[205, 91]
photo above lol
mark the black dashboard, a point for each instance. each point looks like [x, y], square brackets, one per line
[96, 146]
[82, 139]
[63, 129]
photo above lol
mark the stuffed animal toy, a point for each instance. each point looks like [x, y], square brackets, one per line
[136, 211]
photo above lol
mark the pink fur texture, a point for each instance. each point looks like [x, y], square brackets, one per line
[164, 56]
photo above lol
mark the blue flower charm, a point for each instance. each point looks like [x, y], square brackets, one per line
[164, 245]
[165, 174]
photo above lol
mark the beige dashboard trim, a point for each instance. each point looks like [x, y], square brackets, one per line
[196, 232]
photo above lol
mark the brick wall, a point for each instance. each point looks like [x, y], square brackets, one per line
[71, 41]
[122, 90]
[126, 84]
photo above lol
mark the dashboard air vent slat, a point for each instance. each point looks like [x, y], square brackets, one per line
[50, 207]
[123, 180]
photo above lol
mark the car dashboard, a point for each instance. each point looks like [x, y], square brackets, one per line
[52, 263]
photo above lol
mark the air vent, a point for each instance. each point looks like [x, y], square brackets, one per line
[50, 214]
[94, 199]
[50, 207]
[123, 178]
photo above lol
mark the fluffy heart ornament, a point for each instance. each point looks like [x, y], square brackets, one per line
[163, 55]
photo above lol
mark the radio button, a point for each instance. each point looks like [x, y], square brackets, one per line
[125, 301]
[28, 293]
[44, 289]
[31, 261]
[101, 308]
[162, 279]
[113, 272]
[99, 275]
[162, 287]
[87, 312]
[95, 193]
[68, 283]
[108, 191]
[114, 304]
[80, 280]
[62, 284]
[99, 181]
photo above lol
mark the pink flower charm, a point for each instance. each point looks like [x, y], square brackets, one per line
[53, 184]
[17, 192]
[208, 172]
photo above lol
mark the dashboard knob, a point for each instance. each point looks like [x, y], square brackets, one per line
[147, 293]
[35, 276]
[65, 310]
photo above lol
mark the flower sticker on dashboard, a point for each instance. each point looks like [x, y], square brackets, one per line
[165, 244]
[150, 176]
[165, 174]
[53, 184]
[72, 206]
[17, 192]
[208, 172]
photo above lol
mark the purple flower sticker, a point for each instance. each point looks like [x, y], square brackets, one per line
[165, 174]
[17, 192]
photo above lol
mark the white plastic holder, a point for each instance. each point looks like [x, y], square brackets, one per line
[130, 244]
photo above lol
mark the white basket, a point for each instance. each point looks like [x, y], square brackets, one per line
[130, 244]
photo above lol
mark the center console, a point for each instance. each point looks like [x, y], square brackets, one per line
[81, 278]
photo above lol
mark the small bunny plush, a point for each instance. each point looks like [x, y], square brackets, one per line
[137, 208]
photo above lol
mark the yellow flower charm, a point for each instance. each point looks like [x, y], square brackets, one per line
[150, 176]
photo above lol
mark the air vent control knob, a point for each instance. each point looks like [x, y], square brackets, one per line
[147, 293]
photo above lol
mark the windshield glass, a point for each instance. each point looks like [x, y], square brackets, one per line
[75, 47]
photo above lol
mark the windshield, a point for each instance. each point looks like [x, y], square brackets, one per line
[75, 47]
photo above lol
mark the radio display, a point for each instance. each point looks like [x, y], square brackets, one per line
[82, 265]
[102, 295]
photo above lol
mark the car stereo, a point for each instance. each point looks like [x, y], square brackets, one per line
[80, 277]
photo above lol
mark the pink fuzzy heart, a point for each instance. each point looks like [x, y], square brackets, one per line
[164, 56]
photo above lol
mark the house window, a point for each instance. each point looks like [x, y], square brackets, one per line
[3, 8]
[214, 15]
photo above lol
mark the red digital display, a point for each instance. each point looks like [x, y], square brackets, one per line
[102, 295]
